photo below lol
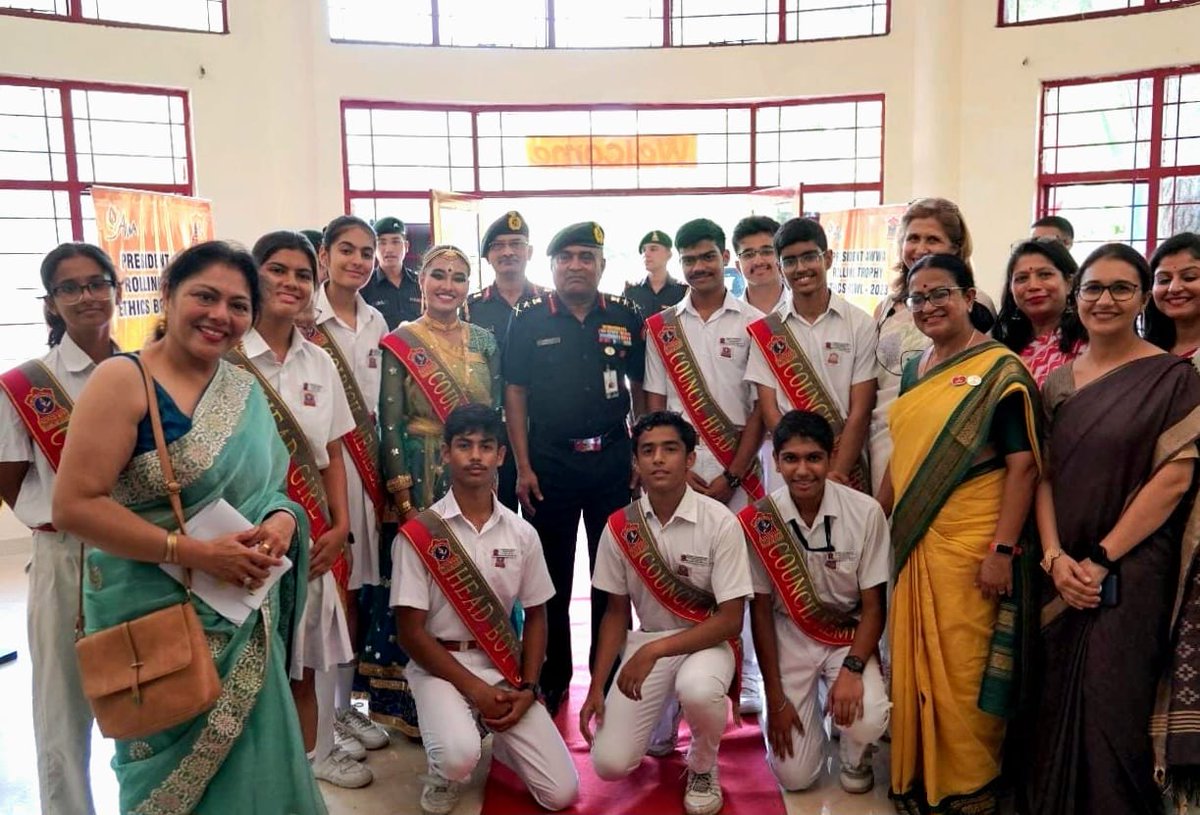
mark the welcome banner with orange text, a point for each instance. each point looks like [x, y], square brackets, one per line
[865, 251]
[610, 151]
[141, 231]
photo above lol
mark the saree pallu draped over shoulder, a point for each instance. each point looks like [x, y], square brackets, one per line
[1120, 699]
[246, 754]
[956, 655]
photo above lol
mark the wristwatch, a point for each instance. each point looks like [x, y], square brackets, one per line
[1048, 559]
[732, 480]
[533, 686]
[854, 665]
[1099, 556]
[1007, 549]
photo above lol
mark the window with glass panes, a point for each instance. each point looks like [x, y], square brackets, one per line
[613, 24]
[189, 15]
[1016, 12]
[398, 152]
[56, 140]
[1120, 156]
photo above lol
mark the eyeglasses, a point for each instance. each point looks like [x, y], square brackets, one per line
[516, 244]
[935, 297]
[1120, 291]
[688, 261]
[71, 293]
[764, 252]
[806, 259]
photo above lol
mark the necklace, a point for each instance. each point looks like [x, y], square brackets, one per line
[929, 361]
[443, 327]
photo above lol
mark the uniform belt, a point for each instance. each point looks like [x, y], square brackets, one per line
[45, 528]
[594, 444]
[458, 645]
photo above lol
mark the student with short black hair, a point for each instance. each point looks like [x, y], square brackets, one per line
[753, 242]
[1053, 226]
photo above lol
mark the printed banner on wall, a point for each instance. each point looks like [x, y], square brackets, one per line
[865, 251]
[141, 231]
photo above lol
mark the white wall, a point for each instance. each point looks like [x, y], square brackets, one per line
[961, 109]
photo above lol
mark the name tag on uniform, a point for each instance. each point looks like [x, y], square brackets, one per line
[695, 560]
[373, 358]
[501, 556]
[612, 385]
[615, 335]
[838, 346]
[738, 341]
[549, 341]
[310, 391]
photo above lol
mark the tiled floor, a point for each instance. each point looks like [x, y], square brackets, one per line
[394, 792]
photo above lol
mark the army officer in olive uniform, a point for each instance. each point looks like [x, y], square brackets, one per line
[658, 291]
[506, 247]
[567, 360]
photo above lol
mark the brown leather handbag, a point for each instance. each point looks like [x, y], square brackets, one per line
[155, 671]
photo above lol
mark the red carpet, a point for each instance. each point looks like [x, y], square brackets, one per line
[656, 786]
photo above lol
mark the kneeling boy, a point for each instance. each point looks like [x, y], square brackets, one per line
[458, 568]
[820, 566]
[680, 557]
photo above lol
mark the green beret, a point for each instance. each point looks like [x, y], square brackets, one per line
[587, 233]
[510, 223]
[390, 226]
[698, 230]
[315, 237]
[661, 238]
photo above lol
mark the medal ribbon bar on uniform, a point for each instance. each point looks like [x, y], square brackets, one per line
[720, 435]
[43, 405]
[634, 540]
[798, 378]
[784, 562]
[362, 442]
[468, 592]
[431, 374]
[304, 484]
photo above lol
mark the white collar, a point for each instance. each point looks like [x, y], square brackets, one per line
[688, 509]
[450, 509]
[74, 358]
[730, 303]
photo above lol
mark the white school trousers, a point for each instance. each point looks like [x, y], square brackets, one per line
[700, 681]
[805, 665]
[533, 747]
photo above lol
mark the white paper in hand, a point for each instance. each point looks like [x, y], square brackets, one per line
[234, 603]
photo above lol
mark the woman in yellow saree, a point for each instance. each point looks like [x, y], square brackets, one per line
[962, 475]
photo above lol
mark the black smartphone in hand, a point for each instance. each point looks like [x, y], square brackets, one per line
[1110, 590]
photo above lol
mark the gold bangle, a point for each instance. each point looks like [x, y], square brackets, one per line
[400, 482]
[172, 547]
[405, 506]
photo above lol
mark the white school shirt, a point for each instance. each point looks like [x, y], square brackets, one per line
[506, 551]
[861, 543]
[309, 385]
[840, 344]
[721, 347]
[360, 345]
[785, 297]
[702, 543]
[71, 366]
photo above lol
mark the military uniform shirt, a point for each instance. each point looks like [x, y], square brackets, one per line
[649, 301]
[397, 304]
[574, 372]
[488, 309]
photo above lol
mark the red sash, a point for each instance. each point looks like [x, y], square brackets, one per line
[472, 598]
[43, 405]
[304, 484]
[799, 380]
[429, 372]
[720, 435]
[633, 538]
[785, 563]
[363, 441]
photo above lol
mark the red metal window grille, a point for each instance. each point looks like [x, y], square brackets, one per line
[211, 16]
[834, 147]
[1032, 12]
[1120, 156]
[56, 139]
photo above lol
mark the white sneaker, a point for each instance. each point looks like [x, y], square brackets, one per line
[860, 778]
[750, 702]
[369, 734]
[342, 771]
[344, 741]
[703, 795]
[439, 796]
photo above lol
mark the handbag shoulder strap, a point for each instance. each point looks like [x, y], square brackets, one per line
[173, 487]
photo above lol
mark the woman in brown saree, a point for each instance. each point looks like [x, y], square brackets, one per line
[1111, 515]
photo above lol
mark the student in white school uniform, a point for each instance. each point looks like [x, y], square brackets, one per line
[349, 330]
[754, 247]
[817, 353]
[312, 414]
[696, 355]
[816, 540]
[81, 297]
[679, 557]
[461, 674]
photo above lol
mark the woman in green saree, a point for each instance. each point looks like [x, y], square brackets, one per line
[245, 754]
